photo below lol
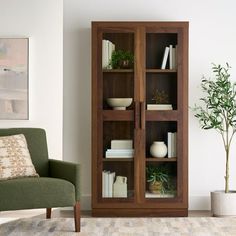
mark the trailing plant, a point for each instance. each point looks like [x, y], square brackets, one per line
[218, 109]
[119, 56]
[158, 174]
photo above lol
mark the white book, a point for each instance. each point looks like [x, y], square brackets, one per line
[176, 57]
[171, 57]
[105, 59]
[119, 155]
[104, 184]
[120, 151]
[122, 144]
[165, 56]
[111, 178]
[106, 187]
[174, 145]
[169, 144]
[159, 107]
[111, 48]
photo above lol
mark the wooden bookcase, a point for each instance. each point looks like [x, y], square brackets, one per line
[147, 41]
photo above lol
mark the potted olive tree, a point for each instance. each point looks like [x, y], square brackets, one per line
[218, 111]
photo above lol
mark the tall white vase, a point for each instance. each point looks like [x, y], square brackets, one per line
[158, 149]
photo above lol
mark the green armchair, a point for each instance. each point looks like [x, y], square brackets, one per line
[57, 186]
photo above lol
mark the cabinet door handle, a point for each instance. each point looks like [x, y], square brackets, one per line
[142, 115]
[136, 114]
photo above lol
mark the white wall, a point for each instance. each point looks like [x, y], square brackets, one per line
[212, 38]
[42, 22]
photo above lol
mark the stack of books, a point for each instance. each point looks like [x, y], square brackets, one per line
[107, 49]
[108, 179]
[171, 53]
[120, 149]
[171, 144]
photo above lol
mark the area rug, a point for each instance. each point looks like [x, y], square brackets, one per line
[190, 226]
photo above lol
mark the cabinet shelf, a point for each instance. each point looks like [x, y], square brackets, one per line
[153, 159]
[117, 70]
[160, 71]
[115, 159]
[116, 115]
[171, 115]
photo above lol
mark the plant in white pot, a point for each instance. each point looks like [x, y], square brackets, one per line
[218, 111]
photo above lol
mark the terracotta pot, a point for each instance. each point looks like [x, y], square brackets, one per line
[155, 187]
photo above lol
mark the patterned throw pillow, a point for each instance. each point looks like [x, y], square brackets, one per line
[15, 160]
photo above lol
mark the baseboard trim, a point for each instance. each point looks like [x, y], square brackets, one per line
[196, 203]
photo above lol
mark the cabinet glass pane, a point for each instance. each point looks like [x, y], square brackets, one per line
[161, 89]
[161, 180]
[155, 48]
[161, 159]
[118, 85]
[118, 160]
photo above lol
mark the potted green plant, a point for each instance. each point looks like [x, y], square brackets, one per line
[218, 111]
[158, 178]
[122, 59]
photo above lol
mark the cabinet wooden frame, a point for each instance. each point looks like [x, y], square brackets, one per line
[138, 116]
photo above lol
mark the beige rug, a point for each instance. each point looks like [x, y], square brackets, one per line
[191, 226]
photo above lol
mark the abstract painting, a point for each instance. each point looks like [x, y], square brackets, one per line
[14, 78]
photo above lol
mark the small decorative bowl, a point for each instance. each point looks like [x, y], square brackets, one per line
[119, 103]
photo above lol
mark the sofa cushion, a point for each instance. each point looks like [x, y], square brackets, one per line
[15, 160]
[42, 192]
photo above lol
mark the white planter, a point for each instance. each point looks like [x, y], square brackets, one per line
[158, 149]
[223, 204]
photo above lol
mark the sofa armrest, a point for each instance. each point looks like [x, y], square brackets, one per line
[67, 171]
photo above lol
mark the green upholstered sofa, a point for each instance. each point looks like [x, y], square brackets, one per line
[57, 186]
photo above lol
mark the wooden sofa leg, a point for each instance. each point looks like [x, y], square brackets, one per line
[77, 216]
[48, 213]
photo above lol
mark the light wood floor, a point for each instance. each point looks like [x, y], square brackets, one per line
[13, 215]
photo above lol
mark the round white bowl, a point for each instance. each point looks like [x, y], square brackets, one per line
[119, 103]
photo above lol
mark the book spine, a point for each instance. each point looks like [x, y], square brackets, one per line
[169, 145]
[174, 58]
[106, 193]
[103, 183]
[165, 56]
[171, 57]
[175, 144]
[105, 60]
[111, 177]
[111, 47]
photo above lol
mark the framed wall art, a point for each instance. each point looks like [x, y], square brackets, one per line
[14, 56]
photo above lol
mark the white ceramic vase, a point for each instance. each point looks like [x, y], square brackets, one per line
[223, 204]
[158, 149]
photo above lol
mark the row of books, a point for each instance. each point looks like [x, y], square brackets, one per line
[108, 179]
[171, 144]
[107, 49]
[171, 54]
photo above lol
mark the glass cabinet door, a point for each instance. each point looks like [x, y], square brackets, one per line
[117, 136]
